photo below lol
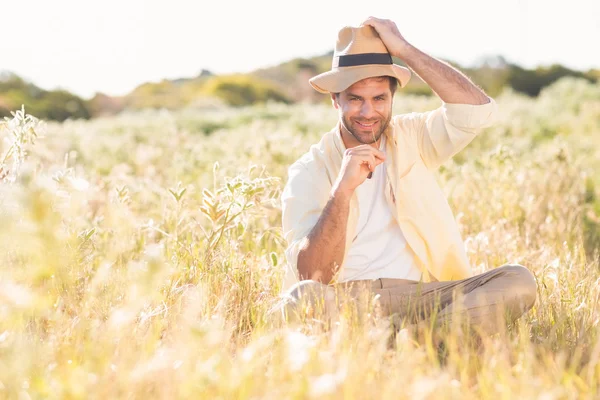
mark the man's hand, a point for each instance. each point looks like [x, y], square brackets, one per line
[447, 82]
[357, 163]
[390, 35]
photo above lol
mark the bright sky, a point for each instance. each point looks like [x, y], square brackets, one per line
[114, 45]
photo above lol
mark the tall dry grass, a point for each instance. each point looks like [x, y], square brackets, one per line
[139, 256]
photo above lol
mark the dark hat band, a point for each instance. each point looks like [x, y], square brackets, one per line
[351, 60]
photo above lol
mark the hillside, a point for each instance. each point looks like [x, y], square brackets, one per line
[286, 82]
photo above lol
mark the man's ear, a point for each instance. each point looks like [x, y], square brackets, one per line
[334, 101]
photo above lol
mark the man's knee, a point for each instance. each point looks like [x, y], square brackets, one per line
[522, 284]
[306, 288]
[316, 295]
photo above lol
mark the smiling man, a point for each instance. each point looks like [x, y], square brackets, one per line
[362, 207]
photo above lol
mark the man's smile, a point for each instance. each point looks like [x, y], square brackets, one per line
[366, 125]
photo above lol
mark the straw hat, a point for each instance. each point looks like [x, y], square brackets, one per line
[359, 54]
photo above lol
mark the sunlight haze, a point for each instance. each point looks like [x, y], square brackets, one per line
[113, 46]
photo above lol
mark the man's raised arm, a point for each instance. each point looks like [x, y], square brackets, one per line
[447, 82]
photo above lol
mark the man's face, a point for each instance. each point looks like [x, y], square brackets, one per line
[365, 110]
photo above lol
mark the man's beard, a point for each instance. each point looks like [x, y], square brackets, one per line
[373, 137]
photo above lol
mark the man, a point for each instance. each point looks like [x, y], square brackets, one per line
[362, 207]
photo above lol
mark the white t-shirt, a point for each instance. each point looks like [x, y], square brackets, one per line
[379, 248]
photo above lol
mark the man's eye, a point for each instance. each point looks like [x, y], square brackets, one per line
[379, 98]
[353, 98]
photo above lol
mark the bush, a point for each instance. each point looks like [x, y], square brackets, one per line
[164, 94]
[241, 90]
[55, 105]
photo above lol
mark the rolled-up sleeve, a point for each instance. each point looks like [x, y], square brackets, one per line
[300, 210]
[443, 132]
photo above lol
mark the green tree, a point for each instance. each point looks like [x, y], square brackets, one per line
[531, 82]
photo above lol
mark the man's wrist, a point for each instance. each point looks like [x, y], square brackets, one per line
[405, 51]
[341, 193]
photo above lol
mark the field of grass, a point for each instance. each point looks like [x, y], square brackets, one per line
[139, 256]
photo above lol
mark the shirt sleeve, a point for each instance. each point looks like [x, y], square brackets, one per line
[443, 132]
[301, 207]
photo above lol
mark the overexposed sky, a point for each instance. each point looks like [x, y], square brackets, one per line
[112, 46]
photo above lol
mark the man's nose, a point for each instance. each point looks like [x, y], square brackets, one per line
[367, 110]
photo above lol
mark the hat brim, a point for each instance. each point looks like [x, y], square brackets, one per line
[340, 79]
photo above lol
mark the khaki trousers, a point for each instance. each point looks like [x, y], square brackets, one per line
[495, 297]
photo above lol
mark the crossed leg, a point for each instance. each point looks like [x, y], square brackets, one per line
[498, 296]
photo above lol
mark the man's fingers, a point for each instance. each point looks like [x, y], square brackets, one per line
[366, 149]
[374, 21]
[371, 21]
[368, 165]
[369, 160]
[380, 156]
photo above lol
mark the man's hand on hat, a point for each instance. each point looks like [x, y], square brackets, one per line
[389, 34]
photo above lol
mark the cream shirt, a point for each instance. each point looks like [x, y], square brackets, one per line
[379, 248]
[417, 144]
